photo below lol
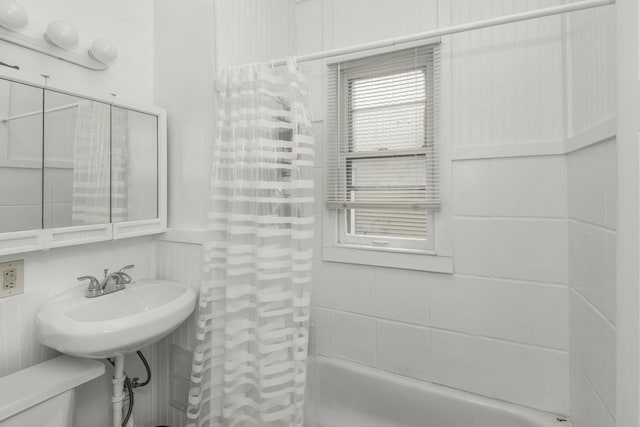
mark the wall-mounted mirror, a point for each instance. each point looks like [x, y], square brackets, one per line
[77, 139]
[77, 170]
[20, 156]
[134, 165]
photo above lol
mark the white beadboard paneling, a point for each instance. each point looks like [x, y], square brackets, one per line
[402, 295]
[461, 304]
[179, 262]
[353, 337]
[472, 187]
[461, 361]
[533, 314]
[308, 25]
[404, 349]
[270, 37]
[531, 376]
[352, 287]
[379, 19]
[529, 187]
[591, 79]
[611, 183]
[530, 249]
[472, 246]
[506, 82]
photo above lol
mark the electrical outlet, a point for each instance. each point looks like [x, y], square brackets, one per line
[12, 278]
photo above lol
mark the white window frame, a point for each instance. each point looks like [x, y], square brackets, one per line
[437, 256]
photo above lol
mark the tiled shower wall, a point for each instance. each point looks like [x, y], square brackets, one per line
[499, 325]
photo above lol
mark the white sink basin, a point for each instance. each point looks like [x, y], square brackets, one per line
[114, 324]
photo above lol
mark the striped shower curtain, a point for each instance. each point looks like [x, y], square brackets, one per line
[99, 165]
[249, 366]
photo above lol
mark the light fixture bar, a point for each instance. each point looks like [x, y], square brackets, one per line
[45, 48]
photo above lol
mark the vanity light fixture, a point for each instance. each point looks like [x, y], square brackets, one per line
[103, 51]
[61, 34]
[61, 39]
[12, 15]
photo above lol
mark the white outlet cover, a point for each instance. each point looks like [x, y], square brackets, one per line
[18, 287]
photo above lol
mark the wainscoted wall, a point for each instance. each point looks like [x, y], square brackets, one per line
[181, 262]
[592, 195]
[499, 325]
[592, 278]
[130, 26]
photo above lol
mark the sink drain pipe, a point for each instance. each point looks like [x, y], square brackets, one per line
[120, 380]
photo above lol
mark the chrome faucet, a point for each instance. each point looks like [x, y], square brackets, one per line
[112, 282]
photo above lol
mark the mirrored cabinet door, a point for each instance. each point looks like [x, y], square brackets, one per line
[20, 157]
[77, 161]
[134, 165]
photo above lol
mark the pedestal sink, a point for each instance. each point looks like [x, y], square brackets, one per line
[113, 325]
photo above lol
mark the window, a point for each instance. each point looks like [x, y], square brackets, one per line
[382, 172]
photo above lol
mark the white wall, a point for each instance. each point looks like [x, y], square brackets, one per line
[499, 325]
[130, 26]
[592, 191]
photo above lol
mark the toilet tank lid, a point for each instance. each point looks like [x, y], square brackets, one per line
[30, 386]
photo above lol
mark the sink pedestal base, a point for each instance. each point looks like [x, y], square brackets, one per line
[118, 396]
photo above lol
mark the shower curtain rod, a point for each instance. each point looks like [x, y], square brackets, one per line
[34, 113]
[491, 22]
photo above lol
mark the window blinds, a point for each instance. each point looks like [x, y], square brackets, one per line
[382, 132]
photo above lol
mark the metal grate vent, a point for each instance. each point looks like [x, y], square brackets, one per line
[180, 371]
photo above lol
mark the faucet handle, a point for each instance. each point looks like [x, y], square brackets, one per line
[126, 267]
[94, 286]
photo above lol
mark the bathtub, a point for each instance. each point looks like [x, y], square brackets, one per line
[351, 395]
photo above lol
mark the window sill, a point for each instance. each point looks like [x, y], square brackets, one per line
[380, 258]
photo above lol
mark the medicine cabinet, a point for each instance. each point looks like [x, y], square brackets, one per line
[76, 169]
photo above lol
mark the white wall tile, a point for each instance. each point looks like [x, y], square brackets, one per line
[461, 361]
[353, 337]
[587, 185]
[472, 187]
[352, 287]
[461, 304]
[609, 367]
[531, 376]
[611, 183]
[610, 279]
[530, 250]
[587, 330]
[402, 295]
[320, 285]
[472, 246]
[323, 331]
[529, 187]
[533, 314]
[587, 410]
[588, 269]
[404, 349]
